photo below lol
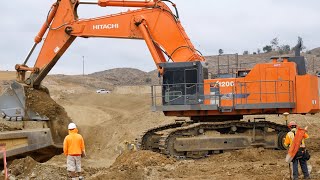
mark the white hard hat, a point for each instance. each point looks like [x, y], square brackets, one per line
[72, 126]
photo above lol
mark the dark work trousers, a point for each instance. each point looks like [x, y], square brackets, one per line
[303, 163]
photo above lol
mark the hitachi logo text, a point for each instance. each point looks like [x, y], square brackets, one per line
[105, 26]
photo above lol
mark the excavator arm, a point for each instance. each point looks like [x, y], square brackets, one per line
[153, 22]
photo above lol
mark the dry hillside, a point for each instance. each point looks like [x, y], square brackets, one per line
[231, 63]
[315, 51]
[129, 76]
[123, 76]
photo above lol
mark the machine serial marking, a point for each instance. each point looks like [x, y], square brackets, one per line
[223, 84]
[105, 26]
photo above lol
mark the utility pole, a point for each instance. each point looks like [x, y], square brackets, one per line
[237, 61]
[82, 65]
[313, 65]
[218, 64]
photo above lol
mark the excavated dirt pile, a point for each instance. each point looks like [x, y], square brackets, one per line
[129, 165]
[41, 102]
[252, 164]
[27, 168]
[134, 165]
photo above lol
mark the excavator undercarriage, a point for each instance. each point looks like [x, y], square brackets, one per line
[199, 139]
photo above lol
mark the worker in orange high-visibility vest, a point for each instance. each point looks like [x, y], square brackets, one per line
[74, 149]
[300, 156]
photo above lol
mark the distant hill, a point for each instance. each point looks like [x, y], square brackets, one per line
[315, 51]
[248, 61]
[108, 79]
[130, 76]
[125, 76]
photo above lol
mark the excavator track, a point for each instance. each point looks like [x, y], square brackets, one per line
[197, 140]
[144, 140]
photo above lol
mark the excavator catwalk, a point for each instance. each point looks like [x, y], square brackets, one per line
[215, 106]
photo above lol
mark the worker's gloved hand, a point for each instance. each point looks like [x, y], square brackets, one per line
[83, 154]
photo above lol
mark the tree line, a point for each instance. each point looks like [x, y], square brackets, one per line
[274, 46]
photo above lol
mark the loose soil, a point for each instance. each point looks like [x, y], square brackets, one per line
[40, 102]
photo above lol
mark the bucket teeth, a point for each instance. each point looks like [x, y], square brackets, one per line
[3, 115]
[13, 118]
[7, 118]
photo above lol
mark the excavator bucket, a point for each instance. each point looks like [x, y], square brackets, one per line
[25, 128]
[13, 104]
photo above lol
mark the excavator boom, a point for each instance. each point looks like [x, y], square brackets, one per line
[154, 22]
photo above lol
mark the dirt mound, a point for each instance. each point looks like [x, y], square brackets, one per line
[257, 154]
[27, 168]
[41, 102]
[4, 127]
[129, 165]
[79, 80]
[136, 159]
[3, 86]
[135, 165]
[55, 169]
[22, 167]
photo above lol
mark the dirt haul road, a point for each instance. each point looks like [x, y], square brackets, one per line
[108, 120]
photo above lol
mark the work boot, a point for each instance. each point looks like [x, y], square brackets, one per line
[308, 177]
[71, 178]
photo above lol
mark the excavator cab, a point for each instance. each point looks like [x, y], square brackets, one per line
[183, 83]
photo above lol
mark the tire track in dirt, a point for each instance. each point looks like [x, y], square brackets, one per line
[113, 118]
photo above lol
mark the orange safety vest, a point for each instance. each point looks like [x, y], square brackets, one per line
[290, 136]
[73, 144]
[296, 141]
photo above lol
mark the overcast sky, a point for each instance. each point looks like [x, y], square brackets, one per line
[232, 25]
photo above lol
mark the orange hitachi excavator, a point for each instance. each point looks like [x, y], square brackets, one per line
[215, 106]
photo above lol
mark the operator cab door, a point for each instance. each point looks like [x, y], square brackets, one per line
[173, 87]
[183, 83]
[191, 85]
[180, 86]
